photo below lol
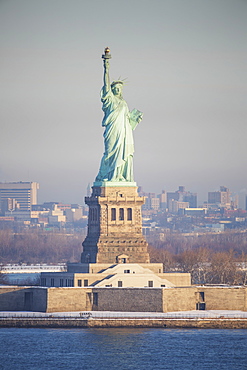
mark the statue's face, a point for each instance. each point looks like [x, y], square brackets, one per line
[117, 89]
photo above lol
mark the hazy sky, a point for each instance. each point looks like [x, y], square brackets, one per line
[185, 61]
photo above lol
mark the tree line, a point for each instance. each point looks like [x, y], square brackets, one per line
[211, 259]
[39, 247]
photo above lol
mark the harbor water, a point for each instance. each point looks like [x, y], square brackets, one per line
[123, 349]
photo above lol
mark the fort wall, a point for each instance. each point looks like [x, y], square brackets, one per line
[68, 299]
[179, 299]
[41, 299]
[127, 299]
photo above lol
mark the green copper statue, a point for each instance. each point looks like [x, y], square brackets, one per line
[117, 162]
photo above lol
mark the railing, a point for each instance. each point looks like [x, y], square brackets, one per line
[31, 269]
[120, 315]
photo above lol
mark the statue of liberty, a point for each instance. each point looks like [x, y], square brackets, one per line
[117, 162]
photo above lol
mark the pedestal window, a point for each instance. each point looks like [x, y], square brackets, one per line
[121, 214]
[113, 214]
[129, 214]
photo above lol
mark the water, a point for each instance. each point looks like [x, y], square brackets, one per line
[123, 349]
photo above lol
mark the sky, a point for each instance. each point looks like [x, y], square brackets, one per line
[185, 64]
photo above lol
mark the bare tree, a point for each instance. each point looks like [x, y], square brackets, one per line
[39, 246]
[160, 255]
[223, 268]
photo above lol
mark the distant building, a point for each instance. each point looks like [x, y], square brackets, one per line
[174, 206]
[9, 204]
[213, 228]
[191, 199]
[182, 196]
[51, 206]
[18, 195]
[55, 212]
[88, 190]
[73, 214]
[56, 215]
[195, 211]
[220, 198]
[163, 200]
[151, 201]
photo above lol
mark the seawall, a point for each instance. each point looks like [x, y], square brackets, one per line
[224, 323]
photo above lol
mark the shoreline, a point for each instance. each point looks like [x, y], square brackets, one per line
[169, 323]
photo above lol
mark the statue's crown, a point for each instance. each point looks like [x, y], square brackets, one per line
[117, 82]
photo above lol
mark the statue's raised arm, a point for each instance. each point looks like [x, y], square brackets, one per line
[117, 162]
[106, 79]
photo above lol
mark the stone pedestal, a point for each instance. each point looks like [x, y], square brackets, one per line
[114, 226]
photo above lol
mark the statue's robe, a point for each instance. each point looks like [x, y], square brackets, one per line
[117, 161]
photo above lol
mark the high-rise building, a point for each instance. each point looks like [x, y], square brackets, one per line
[222, 198]
[181, 195]
[24, 193]
[163, 200]
[9, 205]
[151, 201]
[174, 205]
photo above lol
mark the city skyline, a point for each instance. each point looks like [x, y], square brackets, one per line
[185, 63]
[18, 192]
